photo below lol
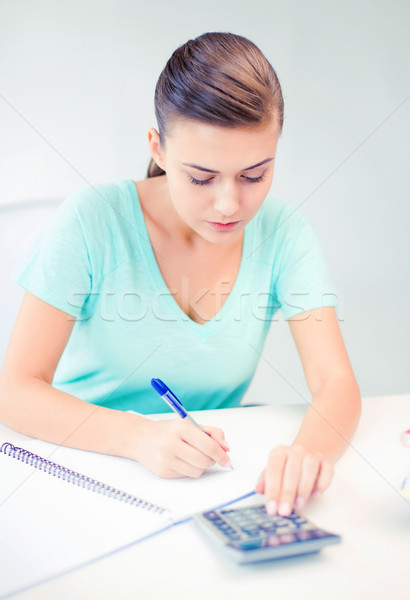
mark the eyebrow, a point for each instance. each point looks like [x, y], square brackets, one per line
[211, 171]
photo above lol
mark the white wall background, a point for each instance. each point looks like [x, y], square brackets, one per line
[77, 81]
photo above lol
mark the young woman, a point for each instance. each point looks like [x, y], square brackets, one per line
[178, 276]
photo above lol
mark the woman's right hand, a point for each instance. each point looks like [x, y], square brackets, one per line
[176, 448]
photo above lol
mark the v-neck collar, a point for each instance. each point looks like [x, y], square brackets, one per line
[153, 268]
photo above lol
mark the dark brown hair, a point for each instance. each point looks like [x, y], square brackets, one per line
[218, 78]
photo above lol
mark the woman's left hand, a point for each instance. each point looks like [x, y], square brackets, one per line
[291, 476]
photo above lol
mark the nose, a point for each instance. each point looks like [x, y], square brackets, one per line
[226, 200]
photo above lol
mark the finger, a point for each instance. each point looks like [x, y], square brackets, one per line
[184, 469]
[260, 484]
[273, 477]
[218, 435]
[165, 471]
[205, 444]
[290, 481]
[308, 477]
[193, 457]
[325, 476]
[168, 474]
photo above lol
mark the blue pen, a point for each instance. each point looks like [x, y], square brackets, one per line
[173, 402]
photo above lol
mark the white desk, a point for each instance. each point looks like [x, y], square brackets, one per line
[362, 504]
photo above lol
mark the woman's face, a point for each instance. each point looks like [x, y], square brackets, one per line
[218, 175]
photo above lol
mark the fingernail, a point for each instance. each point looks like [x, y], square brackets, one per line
[227, 446]
[316, 494]
[300, 502]
[284, 509]
[228, 464]
[271, 508]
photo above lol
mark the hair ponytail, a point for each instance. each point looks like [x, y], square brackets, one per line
[154, 170]
[217, 78]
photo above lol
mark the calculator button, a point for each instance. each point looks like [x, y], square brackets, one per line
[212, 516]
[268, 527]
[304, 535]
[273, 540]
[250, 530]
[282, 530]
[239, 523]
[250, 544]
[287, 538]
[232, 535]
[319, 533]
[218, 523]
[225, 527]
[282, 522]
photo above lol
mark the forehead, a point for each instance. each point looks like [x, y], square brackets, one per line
[219, 147]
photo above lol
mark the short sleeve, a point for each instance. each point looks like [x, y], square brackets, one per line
[302, 282]
[57, 268]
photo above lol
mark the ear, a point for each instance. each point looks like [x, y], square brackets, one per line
[155, 147]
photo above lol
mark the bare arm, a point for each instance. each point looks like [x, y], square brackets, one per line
[29, 404]
[307, 466]
[334, 413]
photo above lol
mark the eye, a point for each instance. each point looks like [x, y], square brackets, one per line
[253, 179]
[199, 181]
[207, 181]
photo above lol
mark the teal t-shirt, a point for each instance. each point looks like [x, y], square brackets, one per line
[95, 262]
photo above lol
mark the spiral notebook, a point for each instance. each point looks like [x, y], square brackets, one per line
[61, 508]
[53, 518]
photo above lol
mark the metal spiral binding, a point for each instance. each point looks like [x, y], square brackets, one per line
[52, 468]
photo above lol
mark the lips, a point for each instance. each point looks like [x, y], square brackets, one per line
[223, 226]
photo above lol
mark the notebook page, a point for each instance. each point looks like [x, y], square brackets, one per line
[250, 440]
[48, 525]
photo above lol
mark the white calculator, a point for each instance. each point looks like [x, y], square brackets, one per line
[249, 534]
